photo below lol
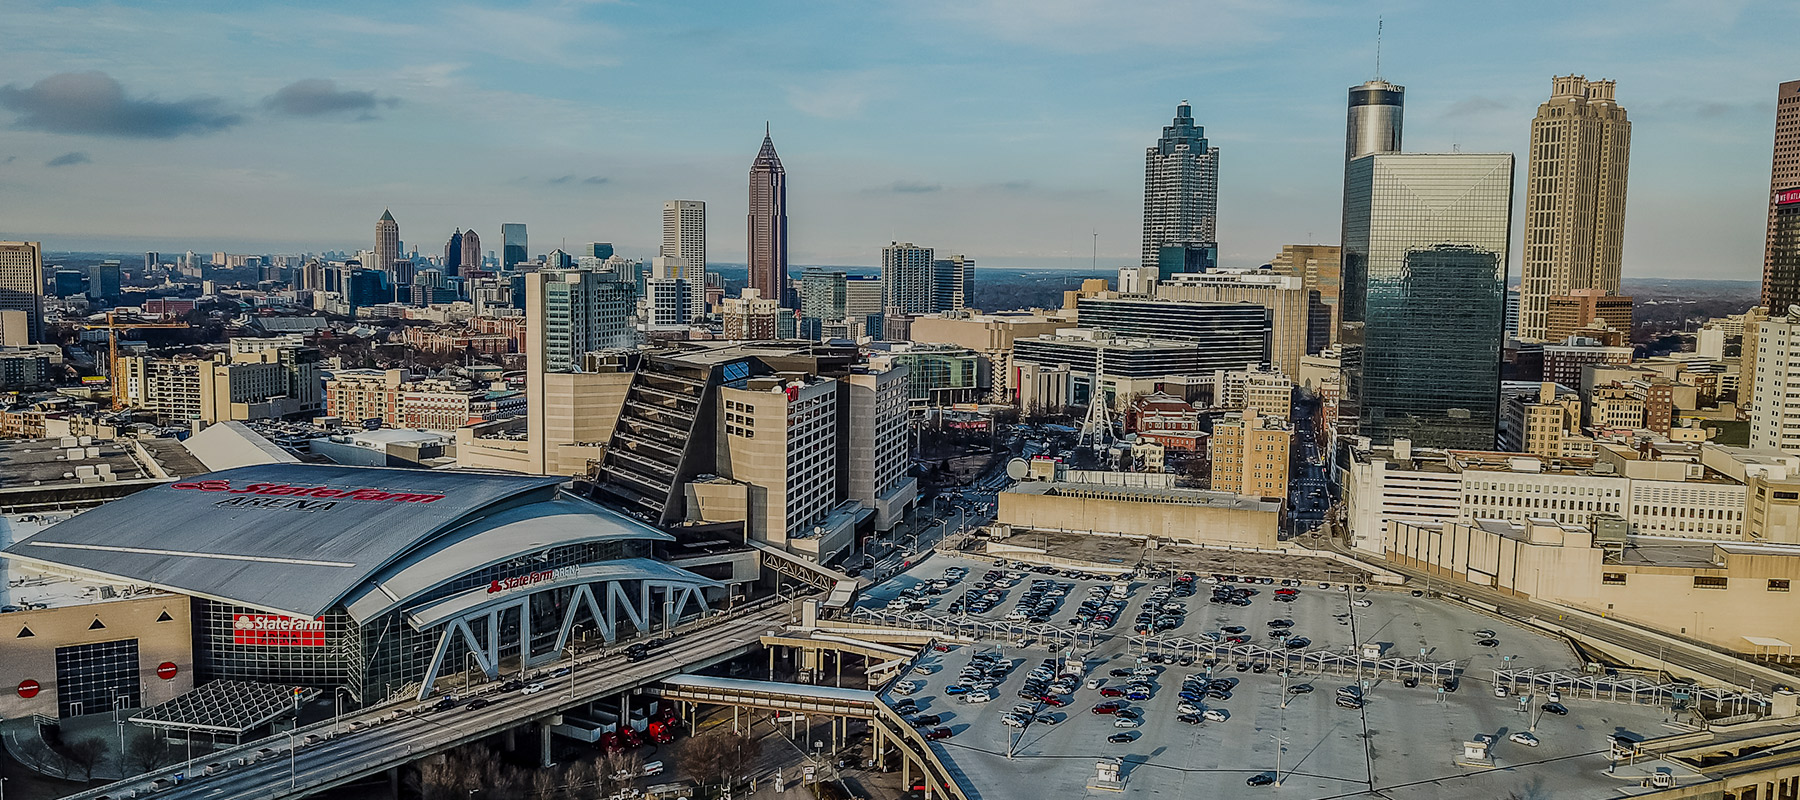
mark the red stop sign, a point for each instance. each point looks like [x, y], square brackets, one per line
[28, 688]
[166, 670]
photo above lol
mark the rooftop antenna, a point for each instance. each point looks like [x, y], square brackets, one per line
[1378, 22]
[1095, 264]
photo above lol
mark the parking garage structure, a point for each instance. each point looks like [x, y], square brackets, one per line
[379, 581]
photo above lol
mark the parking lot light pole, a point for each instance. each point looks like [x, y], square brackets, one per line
[1280, 745]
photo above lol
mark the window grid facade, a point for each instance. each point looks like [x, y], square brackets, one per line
[91, 677]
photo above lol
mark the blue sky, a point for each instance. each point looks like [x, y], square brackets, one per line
[1010, 130]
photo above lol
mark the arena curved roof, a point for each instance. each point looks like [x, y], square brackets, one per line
[301, 538]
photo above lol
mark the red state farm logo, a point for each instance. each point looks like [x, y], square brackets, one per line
[286, 490]
[519, 581]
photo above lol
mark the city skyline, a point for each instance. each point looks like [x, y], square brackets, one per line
[344, 144]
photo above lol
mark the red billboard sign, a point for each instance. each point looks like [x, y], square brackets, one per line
[29, 688]
[273, 630]
[1787, 196]
[166, 670]
[285, 490]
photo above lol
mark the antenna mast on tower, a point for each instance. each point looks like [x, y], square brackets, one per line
[1377, 48]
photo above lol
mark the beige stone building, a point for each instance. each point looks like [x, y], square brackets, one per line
[991, 335]
[1321, 267]
[1184, 515]
[22, 284]
[1250, 456]
[1299, 319]
[877, 441]
[1546, 423]
[1582, 309]
[1574, 198]
[1268, 392]
[778, 436]
[749, 316]
[245, 384]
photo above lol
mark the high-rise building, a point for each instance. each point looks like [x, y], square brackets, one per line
[387, 242]
[22, 283]
[600, 250]
[1232, 335]
[1574, 198]
[1376, 111]
[1424, 280]
[569, 313]
[453, 253]
[1299, 320]
[515, 249]
[768, 245]
[103, 280]
[950, 280]
[1781, 250]
[1775, 406]
[906, 277]
[749, 316]
[1320, 267]
[471, 251]
[1250, 455]
[863, 303]
[1581, 308]
[684, 243]
[1181, 187]
[151, 260]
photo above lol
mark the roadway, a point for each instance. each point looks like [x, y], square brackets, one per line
[416, 731]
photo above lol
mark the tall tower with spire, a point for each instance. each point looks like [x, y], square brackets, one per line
[1181, 188]
[387, 242]
[768, 242]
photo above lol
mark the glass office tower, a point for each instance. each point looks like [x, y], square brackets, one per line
[1425, 254]
[513, 245]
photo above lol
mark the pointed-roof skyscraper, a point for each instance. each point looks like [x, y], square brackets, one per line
[768, 244]
[387, 242]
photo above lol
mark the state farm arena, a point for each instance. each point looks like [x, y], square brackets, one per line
[379, 580]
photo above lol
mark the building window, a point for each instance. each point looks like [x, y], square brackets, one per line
[1778, 585]
[1612, 578]
[1709, 582]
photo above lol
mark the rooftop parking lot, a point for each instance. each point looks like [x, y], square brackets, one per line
[1405, 742]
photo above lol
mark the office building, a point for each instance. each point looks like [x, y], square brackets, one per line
[684, 247]
[749, 316]
[453, 253]
[863, 303]
[823, 295]
[767, 251]
[387, 242]
[950, 282]
[1564, 363]
[1775, 406]
[1250, 455]
[515, 247]
[668, 302]
[68, 283]
[574, 312]
[1319, 268]
[246, 383]
[1229, 335]
[1176, 258]
[992, 336]
[1115, 367]
[1542, 419]
[876, 439]
[22, 283]
[1425, 244]
[938, 375]
[1583, 309]
[1181, 187]
[1268, 392]
[471, 252]
[1781, 250]
[1299, 320]
[1574, 199]
[908, 278]
[103, 280]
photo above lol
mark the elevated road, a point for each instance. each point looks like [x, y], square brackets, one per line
[391, 735]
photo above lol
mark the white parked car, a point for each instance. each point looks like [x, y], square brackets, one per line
[981, 696]
[1188, 708]
[1012, 721]
[1524, 738]
[1145, 671]
[1216, 715]
[532, 689]
[1093, 683]
[1127, 722]
[1361, 602]
[906, 687]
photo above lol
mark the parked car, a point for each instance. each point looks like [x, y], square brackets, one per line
[1259, 779]
[937, 733]
[1122, 738]
[1216, 714]
[1555, 708]
[1127, 722]
[1524, 738]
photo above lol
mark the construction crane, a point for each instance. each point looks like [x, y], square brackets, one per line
[112, 329]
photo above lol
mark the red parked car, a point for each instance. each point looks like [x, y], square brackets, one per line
[937, 733]
[1109, 691]
[1108, 708]
[1054, 701]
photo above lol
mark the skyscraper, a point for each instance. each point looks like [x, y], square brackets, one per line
[684, 243]
[950, 279]
[768, 245]
[1424, 296]
[453, 251]
[471, 250]
[1181, 187]
[906, 277]
[387, 242]
[1574, 198]
[22, 284]
[514, 249]
[1781, 250]
[1376, 109]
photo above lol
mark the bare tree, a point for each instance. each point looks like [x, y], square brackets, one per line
[620, 768]
[582, 779]
[544, 784]
[149, 753]
[85, 754]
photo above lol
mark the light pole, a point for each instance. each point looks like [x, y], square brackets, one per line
[1280, 745]
[337, 701]
[292, 779]
[571, 651]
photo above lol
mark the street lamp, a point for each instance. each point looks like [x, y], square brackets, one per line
[571, 651]
[337, 701]
[292, 778]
